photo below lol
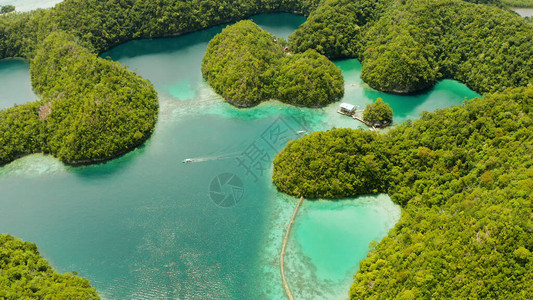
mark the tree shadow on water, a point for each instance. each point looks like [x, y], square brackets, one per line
[108, 168]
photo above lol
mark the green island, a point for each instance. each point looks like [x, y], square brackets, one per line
[379, 113]
[90, 110]
[24, 274]
[89, 116]
[462, 175]
[246, 65]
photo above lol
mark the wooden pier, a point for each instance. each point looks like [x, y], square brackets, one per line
[355, 117]
[350, 114]
[365, 122]
[282, 255]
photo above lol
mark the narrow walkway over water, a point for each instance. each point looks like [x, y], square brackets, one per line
[282, 255]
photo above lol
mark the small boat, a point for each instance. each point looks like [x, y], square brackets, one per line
[187, 160]
[301, 132]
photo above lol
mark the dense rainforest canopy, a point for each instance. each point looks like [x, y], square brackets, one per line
[24, 274]
[95, 114]
[450, 37]
[246, 65]
[406, 46]
[462, 175]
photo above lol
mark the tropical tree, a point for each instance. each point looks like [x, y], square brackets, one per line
[6, 9]
[378, 112]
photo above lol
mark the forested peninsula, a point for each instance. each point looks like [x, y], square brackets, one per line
[247, 65]
[462, 175]
[406, 46]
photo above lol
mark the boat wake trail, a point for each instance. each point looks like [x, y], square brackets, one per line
[234, 154]
[214, 157]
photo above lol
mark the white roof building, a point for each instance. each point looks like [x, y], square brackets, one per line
[347, 107]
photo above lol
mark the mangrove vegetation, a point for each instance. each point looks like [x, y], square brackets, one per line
[404, 46]
[7, 9]
[518, 3]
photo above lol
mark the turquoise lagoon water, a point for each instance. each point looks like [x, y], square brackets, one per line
[146, 226]
[523, 11]
[15, 86]
[27, 5]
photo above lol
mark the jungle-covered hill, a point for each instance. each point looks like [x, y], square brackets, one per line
[90, 110]
[247, 65]
[407, 46]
